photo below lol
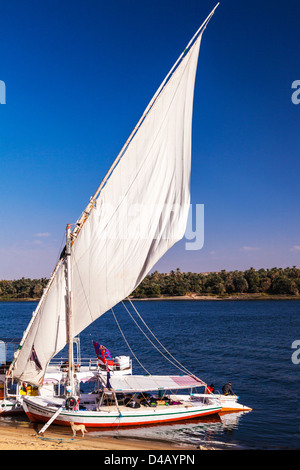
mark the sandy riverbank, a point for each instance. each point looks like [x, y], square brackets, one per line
[236, 297]
[259, 296]
[23, 436]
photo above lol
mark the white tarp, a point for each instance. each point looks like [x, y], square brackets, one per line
[142, 383]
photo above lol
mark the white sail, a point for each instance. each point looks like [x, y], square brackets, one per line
[46, 333]
[142, 210]
[140, 213]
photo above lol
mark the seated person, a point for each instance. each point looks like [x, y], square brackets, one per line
[210, 389]
[227, 390]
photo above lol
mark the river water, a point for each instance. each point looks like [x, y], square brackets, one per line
[246, 342]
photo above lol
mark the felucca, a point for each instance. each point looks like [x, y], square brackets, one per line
[107, 254]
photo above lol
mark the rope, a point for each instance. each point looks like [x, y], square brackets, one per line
[58, 439]
[179, 366]
[128, 343]
[176, 364]
[150, 339]
[83, 290]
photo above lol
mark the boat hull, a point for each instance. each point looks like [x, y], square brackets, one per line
[41, 413]
[230, 404]
[11, 407]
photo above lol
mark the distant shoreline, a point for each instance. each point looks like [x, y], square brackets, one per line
[221, 298]
[237, 297]
[251, 284]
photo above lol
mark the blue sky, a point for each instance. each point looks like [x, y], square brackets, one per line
[78, 76]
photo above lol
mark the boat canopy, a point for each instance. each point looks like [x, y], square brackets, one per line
[142, 383]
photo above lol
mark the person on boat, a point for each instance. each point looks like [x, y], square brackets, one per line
[210, 389]
[227, 390]
[23, 389]
[107, 380]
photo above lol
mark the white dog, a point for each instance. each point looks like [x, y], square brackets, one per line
[78, 427]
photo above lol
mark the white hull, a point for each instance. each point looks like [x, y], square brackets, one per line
[11, 406]
[39, 410]
[229, 403]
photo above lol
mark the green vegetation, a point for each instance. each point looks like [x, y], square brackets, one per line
[276, 281]
[22, 289]
[250, 283]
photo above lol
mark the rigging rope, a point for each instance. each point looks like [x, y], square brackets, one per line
[92, 323]
[148, 336]
[179, 366]
[128, 343]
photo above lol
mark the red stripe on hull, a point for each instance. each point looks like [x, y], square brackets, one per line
[35, 418]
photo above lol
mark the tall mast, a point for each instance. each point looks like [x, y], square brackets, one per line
[71, 371]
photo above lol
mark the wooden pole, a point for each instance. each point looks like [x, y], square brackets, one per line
[70, 380]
